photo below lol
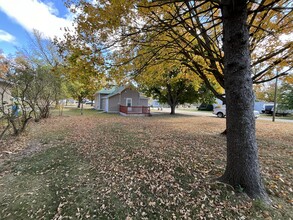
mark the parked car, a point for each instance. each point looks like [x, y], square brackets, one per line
[282, 110]
[90, 102]
[206, 107]
[267, 109]
[221, 112]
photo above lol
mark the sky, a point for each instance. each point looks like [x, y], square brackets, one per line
[18, 18]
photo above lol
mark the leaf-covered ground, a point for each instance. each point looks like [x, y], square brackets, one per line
[100, 166]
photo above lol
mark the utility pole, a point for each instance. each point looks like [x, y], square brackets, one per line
[275, 97]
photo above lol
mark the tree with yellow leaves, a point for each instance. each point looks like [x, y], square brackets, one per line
[229, 37]
[172, 84]
[81, 69]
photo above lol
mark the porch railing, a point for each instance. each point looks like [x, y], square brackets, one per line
[135, 109]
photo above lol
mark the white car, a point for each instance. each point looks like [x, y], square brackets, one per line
[221, 112]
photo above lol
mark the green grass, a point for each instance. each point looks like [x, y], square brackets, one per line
[55, 179]
[288, 117]
[35, 188]
[74, 111]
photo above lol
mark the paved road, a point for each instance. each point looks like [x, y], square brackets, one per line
[208, 114]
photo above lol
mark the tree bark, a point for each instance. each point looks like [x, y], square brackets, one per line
[25, 124]
[171, 99]
[79, 101]
[4, 131]
[14, 126]
[242, 168]
[172, 109]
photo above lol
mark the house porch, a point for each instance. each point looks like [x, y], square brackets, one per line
[134, 110]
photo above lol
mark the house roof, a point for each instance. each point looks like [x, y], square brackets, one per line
[112, 92]
[107, 91]
[116, 90]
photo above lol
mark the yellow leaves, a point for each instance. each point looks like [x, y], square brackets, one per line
[82, 70]
[3, 65]
[106, 14]
[289, 79]
[266, 29]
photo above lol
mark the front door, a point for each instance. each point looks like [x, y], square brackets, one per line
[129, 104]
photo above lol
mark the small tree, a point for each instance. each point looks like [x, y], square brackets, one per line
[285, 96]
[34, 89]
[173, 86]
[37, 85]
[15, 114]
[35, 77]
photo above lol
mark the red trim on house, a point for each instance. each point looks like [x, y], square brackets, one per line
[135, 110]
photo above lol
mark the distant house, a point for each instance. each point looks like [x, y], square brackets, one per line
[5, 93]
[259, 106]
[125, 100]
[156, 104]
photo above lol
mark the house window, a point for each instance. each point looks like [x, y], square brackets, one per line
[129, 102]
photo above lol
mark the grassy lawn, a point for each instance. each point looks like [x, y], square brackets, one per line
[287, 117]
[104, 166]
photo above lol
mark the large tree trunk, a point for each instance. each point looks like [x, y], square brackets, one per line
[79, 101]
[171, 99]
[173, 106]
[242, 169]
